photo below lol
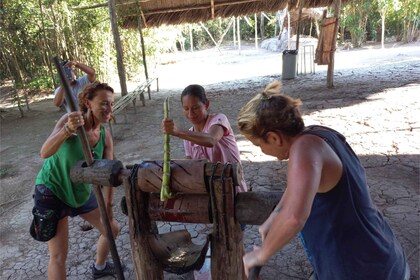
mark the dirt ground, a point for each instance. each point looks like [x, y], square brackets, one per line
[375, 104]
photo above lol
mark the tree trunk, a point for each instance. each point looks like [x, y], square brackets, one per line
[191, 37]
[262, 26]
[234, 32]
[238, 26]
[143, 53]
[383, 29]
[118, 46]
[46, 45]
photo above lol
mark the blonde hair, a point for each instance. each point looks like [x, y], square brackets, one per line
[271, 110]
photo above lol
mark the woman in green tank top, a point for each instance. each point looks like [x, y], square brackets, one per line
[58, 196]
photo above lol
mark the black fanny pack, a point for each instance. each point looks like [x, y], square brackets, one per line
[44, 224]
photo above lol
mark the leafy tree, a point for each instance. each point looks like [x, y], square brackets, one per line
[354, 18]
[384, 7]
[409, 16]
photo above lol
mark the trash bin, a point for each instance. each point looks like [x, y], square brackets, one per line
[289, 64]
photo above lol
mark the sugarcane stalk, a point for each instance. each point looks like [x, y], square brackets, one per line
[165, 191]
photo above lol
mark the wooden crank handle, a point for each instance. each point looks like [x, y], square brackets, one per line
[254, 273]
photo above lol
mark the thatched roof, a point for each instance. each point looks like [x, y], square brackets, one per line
[159, 12]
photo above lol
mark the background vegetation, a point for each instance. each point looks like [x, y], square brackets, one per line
[34, 31]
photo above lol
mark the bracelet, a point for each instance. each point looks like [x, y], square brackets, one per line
[276, 209]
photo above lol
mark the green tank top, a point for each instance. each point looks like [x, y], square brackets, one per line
[55, 172]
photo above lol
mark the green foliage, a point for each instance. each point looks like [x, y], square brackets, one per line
[271, 26]
[32, 32]
[354, 18]
[362, 19]
[42, 82]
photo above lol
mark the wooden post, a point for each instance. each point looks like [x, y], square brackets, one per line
[256, 31]
[191, 38]
[238, 26]
[143, 52]
[298, 24]
[330, 71]
[226, 241]
[234, 32]
[118, 46]
[288, 29]
[145, 265]
[262, 27]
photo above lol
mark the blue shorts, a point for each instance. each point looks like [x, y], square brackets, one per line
[45, 198]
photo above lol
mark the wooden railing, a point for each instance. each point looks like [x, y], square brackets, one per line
[123, 102]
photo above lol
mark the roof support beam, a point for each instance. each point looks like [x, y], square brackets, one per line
[182, 9]
[330, 71]
[298, 25]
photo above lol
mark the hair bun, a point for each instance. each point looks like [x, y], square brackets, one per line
[272, 88]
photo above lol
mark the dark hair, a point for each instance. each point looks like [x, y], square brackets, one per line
[195, 90]
[273, 111]
[90, 92]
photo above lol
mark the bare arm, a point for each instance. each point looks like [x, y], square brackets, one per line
[265, 227]
[64, 128]
[91, 75]
[209, 139]
[90, 72]
[59, 97]
[303, 180]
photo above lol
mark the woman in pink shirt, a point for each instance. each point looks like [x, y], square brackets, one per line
[210, 137]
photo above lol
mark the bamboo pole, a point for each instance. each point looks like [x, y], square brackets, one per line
[141, 228]
[211, 37]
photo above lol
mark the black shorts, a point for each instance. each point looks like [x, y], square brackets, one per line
[45, 198]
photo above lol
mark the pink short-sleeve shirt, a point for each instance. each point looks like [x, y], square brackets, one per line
[226, 150]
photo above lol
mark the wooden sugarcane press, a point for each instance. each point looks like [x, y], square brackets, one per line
[204, 193]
